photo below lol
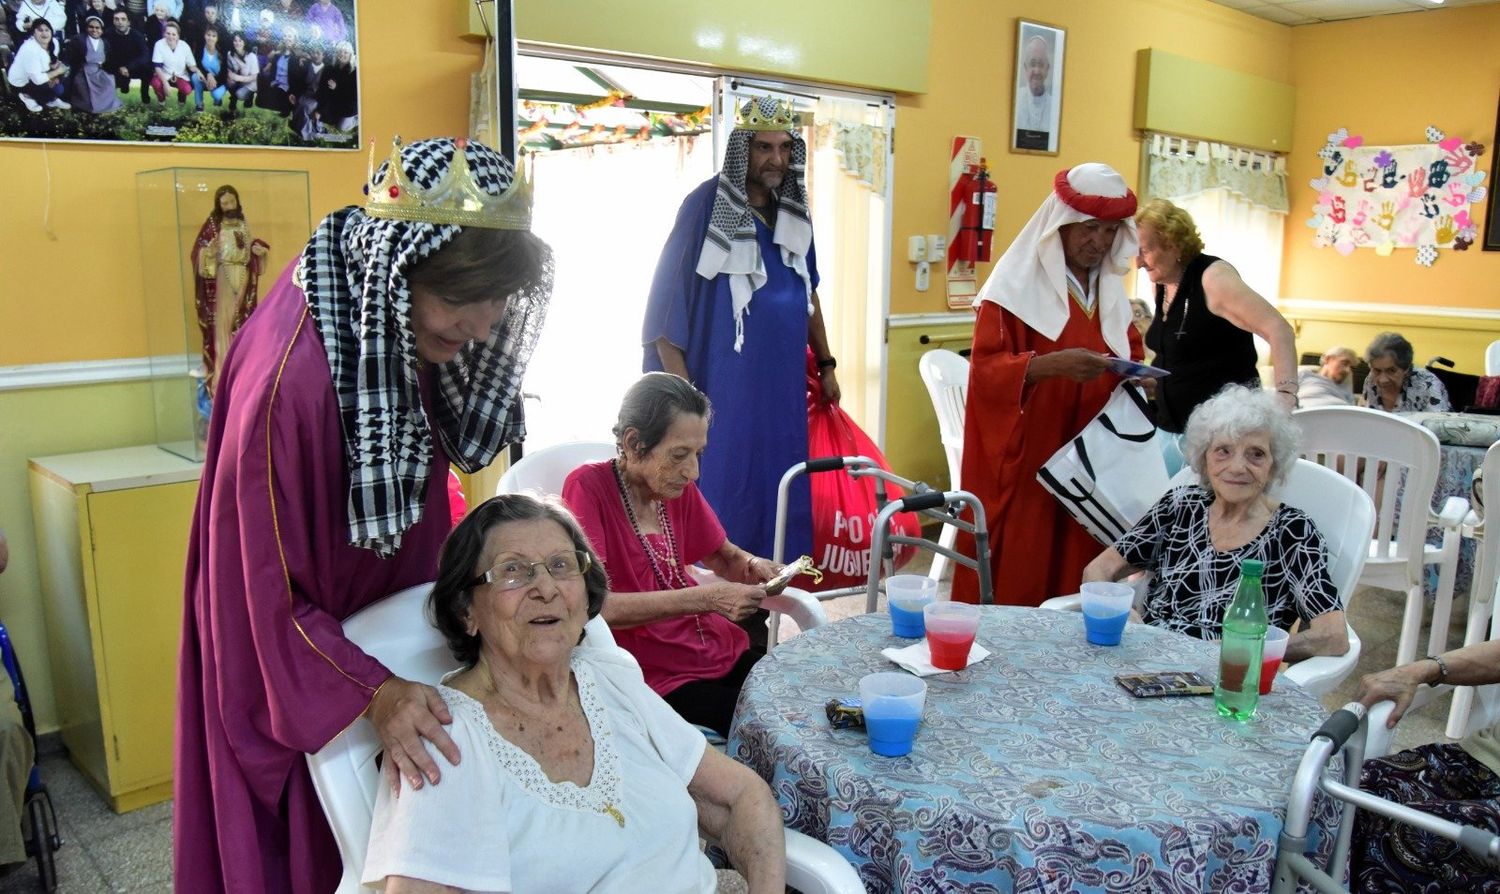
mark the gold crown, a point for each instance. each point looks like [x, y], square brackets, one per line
[455, 199]
[782, 117]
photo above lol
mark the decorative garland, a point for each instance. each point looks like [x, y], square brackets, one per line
[1389, 197]
[541, 125]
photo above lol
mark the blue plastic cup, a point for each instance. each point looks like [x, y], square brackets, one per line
[905, 595]
[892, 703]
[1106, 608]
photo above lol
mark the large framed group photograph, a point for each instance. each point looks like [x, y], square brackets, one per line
[1037, 113]
[207, 72]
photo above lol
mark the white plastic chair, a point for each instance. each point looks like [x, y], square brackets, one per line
[1357, 442]
[946, 376]
[545, 470]
[1492, 358]
[398, 633]
[1345, 517]
[1482, 594]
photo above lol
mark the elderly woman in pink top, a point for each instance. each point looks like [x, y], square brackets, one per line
[648, 522]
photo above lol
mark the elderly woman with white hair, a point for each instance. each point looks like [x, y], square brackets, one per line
[1242, 445]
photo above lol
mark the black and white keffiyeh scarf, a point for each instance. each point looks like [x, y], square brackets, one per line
[354, 273]
[729, 245]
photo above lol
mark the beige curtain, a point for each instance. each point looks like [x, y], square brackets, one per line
[1236, 196]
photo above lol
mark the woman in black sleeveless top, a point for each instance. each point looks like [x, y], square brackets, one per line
[1205, 317]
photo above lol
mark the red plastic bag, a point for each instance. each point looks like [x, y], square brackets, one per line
[843, 508]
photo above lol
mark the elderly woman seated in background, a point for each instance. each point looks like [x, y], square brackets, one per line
[645, 515]
[1329, 384]
[1394, 385]
[576, 776]
[1242, 444]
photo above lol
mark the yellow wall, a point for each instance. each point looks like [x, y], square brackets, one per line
[970, 92]
[1388, 78]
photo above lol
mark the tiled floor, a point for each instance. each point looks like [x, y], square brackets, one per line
[103, 851]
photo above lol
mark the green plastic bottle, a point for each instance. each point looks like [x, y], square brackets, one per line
[1245, 622]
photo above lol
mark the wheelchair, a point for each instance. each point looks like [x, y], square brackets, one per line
[39, 819]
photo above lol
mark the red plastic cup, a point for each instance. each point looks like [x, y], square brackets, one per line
[1270, 657]
[950, 633]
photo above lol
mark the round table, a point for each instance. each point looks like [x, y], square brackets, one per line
[1032, 770]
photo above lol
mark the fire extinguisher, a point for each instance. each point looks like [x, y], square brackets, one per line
[984, 199]
[965, 245]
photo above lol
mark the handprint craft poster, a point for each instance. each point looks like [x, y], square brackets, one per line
[1389, 197]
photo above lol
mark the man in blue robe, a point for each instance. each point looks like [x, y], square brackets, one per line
[734, 309]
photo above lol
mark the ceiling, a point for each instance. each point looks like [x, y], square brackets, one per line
[1311, 12]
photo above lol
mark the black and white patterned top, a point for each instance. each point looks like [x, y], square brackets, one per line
[1420, 390]
[1193, 582]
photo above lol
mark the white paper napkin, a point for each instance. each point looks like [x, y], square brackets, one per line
[917, 659]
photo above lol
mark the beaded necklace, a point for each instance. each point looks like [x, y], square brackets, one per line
[673, 577]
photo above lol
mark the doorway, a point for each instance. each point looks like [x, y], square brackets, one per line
[620, 146]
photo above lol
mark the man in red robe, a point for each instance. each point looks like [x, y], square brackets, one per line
[1051, 315]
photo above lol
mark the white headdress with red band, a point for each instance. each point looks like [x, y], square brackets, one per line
[1030, 279]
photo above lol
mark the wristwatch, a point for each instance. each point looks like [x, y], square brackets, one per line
[827, 363]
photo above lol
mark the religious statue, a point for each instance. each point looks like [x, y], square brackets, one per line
[227, 262]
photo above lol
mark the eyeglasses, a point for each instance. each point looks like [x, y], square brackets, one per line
[513, 574]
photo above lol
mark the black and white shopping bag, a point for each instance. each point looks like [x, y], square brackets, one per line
[1112, 472]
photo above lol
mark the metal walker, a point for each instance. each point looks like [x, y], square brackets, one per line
[944, 506]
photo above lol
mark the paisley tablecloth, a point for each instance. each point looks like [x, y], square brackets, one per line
[1032, 770]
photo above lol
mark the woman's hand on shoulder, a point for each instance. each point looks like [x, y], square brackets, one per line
[404, 713]
[734, 601]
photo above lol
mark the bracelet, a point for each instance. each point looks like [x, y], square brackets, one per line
[1442, 669]
[1286, 390]
[1291, 382]
[827, 363]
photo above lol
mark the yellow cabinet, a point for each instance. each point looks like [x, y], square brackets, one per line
[112, 532]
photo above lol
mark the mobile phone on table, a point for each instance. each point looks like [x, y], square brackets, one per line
[1163, 683]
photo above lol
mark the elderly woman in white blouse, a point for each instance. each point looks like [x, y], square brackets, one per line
[574, 775]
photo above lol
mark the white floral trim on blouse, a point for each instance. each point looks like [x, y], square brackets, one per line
[600, 796]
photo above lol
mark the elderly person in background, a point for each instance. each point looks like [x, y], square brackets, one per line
[576, 776]
[1205, 319]
[649, 521]
[1456, 781]
[1242, 444]
[1049, 317]
[1328, 385]
[1394, 385]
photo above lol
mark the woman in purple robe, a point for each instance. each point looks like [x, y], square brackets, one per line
[395, 344]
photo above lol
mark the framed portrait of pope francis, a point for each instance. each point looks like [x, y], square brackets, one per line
[1037, 113]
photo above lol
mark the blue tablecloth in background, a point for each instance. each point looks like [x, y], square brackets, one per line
[1033, 770]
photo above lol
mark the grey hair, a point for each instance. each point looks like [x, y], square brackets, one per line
[652, 404]
[1339, 351]
[1237, 411]
[1391, 344]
